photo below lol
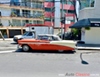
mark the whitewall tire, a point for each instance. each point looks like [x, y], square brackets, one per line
[25, 48]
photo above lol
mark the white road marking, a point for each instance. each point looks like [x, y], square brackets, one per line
[7, 51]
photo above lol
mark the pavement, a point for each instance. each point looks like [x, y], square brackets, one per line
[78, 47]
[88, 46]
[7, 44]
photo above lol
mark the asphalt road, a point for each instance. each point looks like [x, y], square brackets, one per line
[8, 45]
[42, 64]
[15, 63]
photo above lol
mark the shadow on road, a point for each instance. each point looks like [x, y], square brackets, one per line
[14, 43]
[83, 61]
[46, 51]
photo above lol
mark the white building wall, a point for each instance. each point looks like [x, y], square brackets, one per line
[5, 11]
[57, 13]
[97, 9]
[86, 13]
[92, 36]
[90, 12]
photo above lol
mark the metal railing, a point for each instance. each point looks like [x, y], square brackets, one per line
[28, 4]
[27, 15]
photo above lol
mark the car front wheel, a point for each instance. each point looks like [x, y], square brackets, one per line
[25, 48]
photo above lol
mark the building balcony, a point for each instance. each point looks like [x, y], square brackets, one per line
[48, 4]
[88, 12]
[49, 14]
[14, 27]
[21, 7]
[20, 18]
[49, 23]
[23, 16]
[67, 7]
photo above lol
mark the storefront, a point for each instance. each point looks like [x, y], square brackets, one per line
[9, 32]
[92, 34]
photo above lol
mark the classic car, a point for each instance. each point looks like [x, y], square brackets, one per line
[45, 42]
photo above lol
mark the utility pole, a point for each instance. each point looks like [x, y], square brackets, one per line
[62, 16]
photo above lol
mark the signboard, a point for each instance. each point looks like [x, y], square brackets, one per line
[67, 22]
[95, 24]
[69, 18]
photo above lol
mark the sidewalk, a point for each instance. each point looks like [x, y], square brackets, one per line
[6, 39]
[88, 46]
[7, 44]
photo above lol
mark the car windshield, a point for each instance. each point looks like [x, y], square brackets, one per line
[42, 37]
[25, 33]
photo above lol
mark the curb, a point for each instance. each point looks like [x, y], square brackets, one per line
[88, 48]
[6, 39]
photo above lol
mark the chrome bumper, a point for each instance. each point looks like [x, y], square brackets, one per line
[18, 46]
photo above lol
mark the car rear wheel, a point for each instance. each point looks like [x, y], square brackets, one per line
[25, 48]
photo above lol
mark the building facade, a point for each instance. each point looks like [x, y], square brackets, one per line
[57, 10]
[91, 36]
[14, 14]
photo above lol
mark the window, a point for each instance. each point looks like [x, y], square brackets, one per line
[55, 38]
[30, 34]
[37, 22]
[43, 37]
[87, 3]
[49, 0]
[47, 19]
[48, 9]
[16, 22]
[70, 2]
[71, 11]
[26, 13]
[92, 4]
[25, 33]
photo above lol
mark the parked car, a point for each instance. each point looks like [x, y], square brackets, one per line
[45, 42]
[27, 34]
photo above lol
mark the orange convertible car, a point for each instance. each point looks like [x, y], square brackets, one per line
[45, 42]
